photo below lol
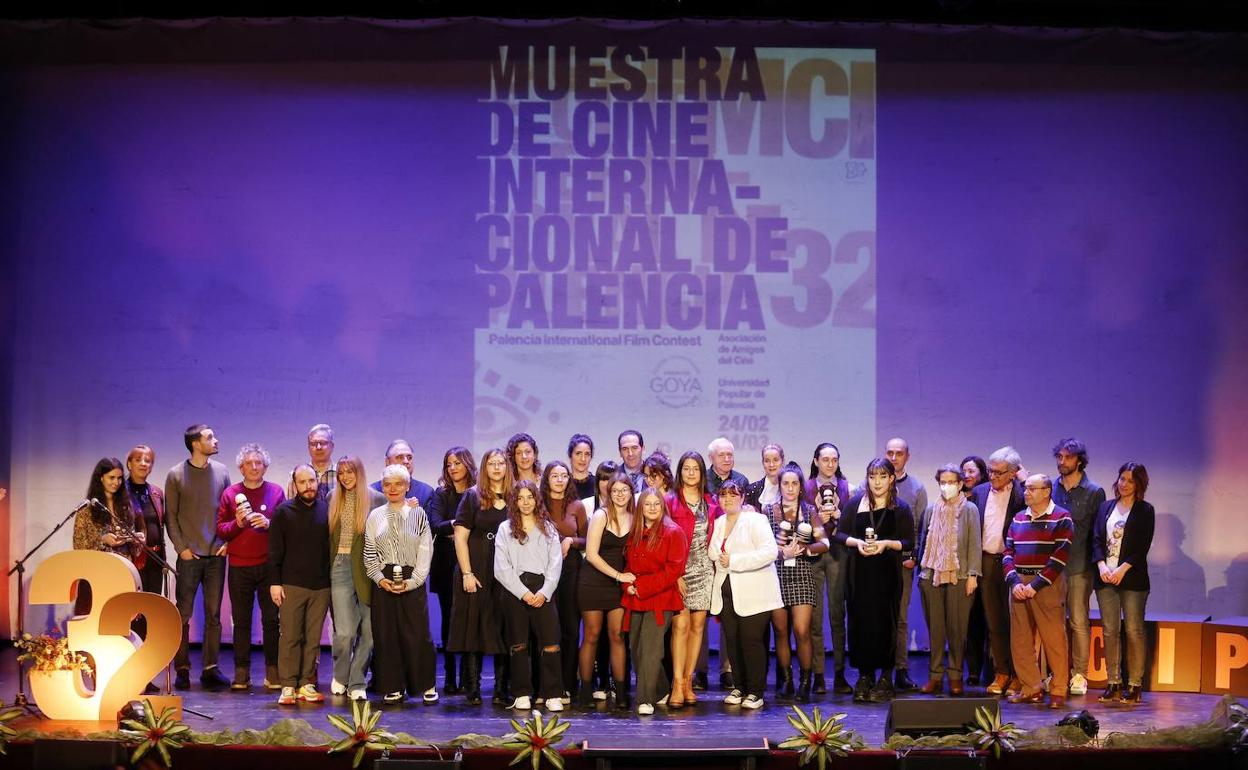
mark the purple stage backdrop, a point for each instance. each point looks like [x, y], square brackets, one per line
[451, 231]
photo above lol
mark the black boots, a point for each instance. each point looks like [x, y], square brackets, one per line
[450, 683]
[784, 682]
[840, 685]
[472, 677]
[621, 697]
[803, 686]
[862, 690]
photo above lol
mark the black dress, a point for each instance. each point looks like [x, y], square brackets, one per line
[475, 618]
[597, 591]
[873, 592]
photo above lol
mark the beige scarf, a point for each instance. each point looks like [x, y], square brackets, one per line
[941, 553]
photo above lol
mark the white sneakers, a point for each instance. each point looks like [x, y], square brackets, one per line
[1078, 685]
[431, 695]
[522, 703]
[337, 688]
[645, 709]
[358, 694]
[599, 695]
[393, 697]
[733, 698]
[554, 704]
[752, 702]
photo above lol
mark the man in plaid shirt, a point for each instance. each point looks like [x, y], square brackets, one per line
[1036, 550]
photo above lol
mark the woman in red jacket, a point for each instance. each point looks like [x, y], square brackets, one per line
[655, 555]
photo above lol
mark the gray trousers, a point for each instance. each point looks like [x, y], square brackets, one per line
[948, 611]
[301, 616]
[645, 638]
[830, 572]
[903, 619]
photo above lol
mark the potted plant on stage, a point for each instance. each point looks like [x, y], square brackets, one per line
[49, 656]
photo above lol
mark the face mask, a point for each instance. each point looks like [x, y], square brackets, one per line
[949, 491]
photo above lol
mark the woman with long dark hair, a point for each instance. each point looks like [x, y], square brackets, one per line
[801, 540]
[527, 563]
[830, 569]
[694, 510]
[974, 473]
[522, 455]
[657, 471]
[876, 526]
[655, 558]
[459, 473]
[476, 628]
[568, 515]
[580, 455]
[112, 530]
[1121, 537]
[599, 589]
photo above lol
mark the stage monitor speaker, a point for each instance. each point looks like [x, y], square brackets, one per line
[934, 716]
[79, 755]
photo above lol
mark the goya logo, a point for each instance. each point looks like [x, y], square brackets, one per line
[676, 381]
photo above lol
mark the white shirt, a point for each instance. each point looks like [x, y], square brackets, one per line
[995, 511]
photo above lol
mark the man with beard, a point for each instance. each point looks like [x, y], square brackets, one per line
[299, 584]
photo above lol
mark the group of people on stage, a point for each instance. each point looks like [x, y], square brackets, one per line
[530, 562]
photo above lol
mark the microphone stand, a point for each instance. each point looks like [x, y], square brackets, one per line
[19, 567]
[164, 591]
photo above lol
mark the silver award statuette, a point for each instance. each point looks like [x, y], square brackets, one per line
[397, 573]
[870, 541]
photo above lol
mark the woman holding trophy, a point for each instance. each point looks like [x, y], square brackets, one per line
[801, 540]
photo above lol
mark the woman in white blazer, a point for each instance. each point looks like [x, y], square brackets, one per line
[745, 591]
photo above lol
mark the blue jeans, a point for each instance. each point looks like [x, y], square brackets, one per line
[1078, 596]
[1117, 604]
[353, 628]
[210, 572]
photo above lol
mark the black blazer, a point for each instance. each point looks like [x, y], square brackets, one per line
[1137, 538]
[979, 495]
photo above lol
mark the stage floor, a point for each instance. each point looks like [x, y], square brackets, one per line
[451, 717]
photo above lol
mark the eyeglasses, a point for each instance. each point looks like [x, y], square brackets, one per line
[1005, 472]
[320, 444]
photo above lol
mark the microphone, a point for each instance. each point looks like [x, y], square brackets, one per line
[82, 504]
[97, 505]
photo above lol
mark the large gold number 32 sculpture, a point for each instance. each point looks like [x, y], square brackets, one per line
[123, 667]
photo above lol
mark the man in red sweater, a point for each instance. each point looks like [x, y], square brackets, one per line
[243, 517]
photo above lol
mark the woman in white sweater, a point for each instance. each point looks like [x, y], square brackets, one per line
[745, 591]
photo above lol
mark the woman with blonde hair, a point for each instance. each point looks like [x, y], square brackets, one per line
[350, 590]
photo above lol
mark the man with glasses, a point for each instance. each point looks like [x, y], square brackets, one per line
[1037, 547]
[400, 453]
[1000, 498]
[320, 450]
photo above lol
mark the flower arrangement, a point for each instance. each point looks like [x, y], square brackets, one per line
[535, 740]
[989, 733]
[161, 732]
[362, 732]
[49, 652]
[818, 738]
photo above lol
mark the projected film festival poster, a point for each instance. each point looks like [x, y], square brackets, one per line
[681, 242]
